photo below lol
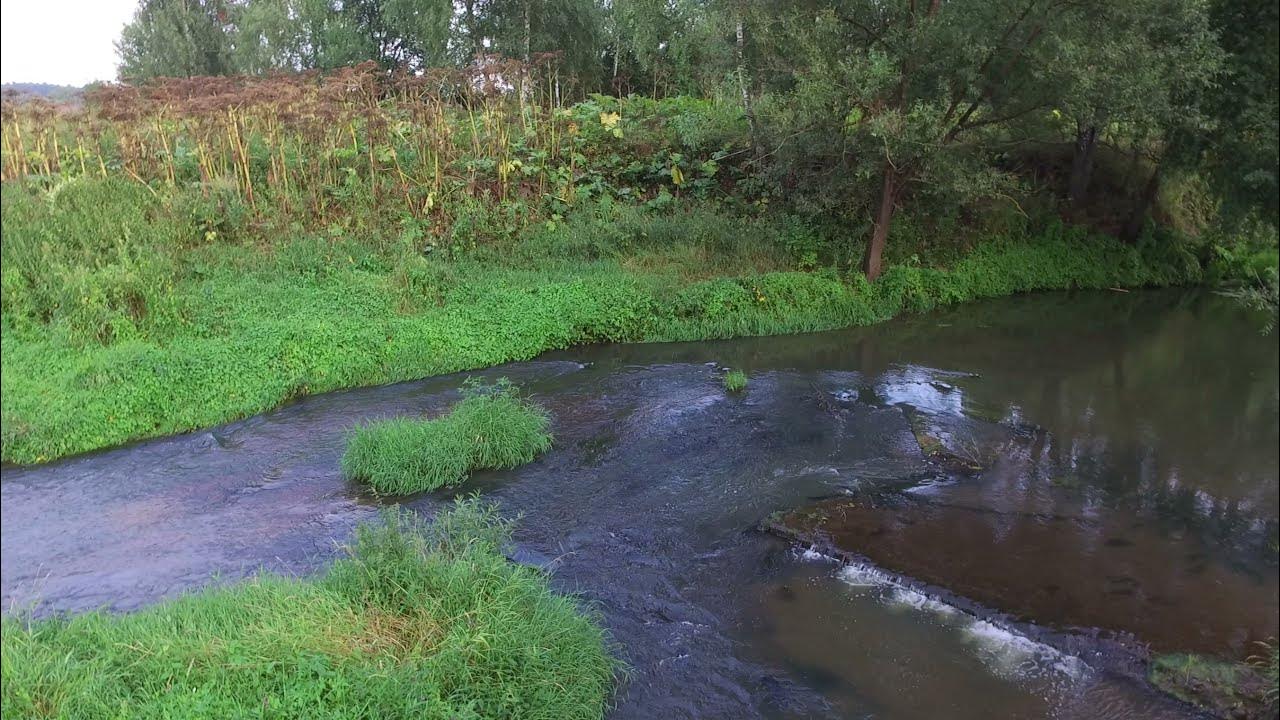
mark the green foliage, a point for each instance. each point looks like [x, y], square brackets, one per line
[1223, 688]
[735, 381]
[420, 621]
[175, 38]
[492, 427]
[80, 260]
[234, 325]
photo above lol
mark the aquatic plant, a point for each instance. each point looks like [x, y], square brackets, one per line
[420, 620]
[492, 427]
[735, 381]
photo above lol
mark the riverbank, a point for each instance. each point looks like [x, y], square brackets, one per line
[420, 620]
[153, 337]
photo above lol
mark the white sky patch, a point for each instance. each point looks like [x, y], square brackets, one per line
[63, 42]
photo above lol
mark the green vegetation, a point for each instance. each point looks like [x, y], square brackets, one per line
[490, 428]
[1267, 663]
[422, 621]
[187, 251]
[1223, 688]
[735, 381]
[113, 331]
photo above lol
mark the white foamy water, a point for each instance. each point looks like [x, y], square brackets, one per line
[1011, 654]
[859, 575]
[1006, 653]
[908, 598]
[811, 555]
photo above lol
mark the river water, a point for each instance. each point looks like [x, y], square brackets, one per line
[1128, 498]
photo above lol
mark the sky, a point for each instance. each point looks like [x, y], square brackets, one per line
[63, 42]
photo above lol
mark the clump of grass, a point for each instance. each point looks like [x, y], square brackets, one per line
[735, 381]
[421, 620]
[1224, 688]
[1268, 664]
[492, 427]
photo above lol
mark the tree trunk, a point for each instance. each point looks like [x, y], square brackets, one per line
[1133, 228]
[884, 217]
[469, 13]
[528, 33]
[1082, 165]
[744, 85]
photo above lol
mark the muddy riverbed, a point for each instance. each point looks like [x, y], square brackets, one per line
[1124, 449]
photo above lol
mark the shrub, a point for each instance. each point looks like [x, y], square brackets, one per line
[420, 621]
[492, 427]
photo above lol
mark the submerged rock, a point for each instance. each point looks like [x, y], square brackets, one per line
[936, 451]
[1115, 583]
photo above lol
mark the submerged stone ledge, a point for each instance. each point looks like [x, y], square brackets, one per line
[1120, 616]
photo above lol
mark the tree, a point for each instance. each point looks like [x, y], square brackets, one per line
[1243, 148]
[1143, 70]
[573, 28]
[175, 38]
[909, 96]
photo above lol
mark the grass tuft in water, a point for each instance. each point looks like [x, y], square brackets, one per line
[735, 381]
[492, 427]
[421, 620]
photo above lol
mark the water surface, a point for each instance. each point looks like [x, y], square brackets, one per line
[1151, 408]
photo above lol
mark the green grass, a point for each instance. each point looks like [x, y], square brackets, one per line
[120, 322]
[420, 621]
[735, 381]
[492, 427]
[1224, 688]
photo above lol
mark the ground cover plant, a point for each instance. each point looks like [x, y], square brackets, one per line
[492, 427]
[421, 620]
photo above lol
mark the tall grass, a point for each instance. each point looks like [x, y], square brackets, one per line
[433, 151]
[492, 427]
[420, 621]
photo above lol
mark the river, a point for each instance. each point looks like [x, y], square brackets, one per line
[1127, 441]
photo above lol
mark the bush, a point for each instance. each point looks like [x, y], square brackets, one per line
[420, 621]
[490, 428]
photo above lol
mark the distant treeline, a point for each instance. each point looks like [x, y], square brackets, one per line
[55, 93]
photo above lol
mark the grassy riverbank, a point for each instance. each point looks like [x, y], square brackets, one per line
[421, 620]
[116, 327]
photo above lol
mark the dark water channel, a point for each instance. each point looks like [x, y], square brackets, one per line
[1129, 440]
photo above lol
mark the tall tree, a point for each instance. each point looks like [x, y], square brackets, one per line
[573, 28]
[1243, 149]
[1143, 69]
[906, 94]
[175, 38]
